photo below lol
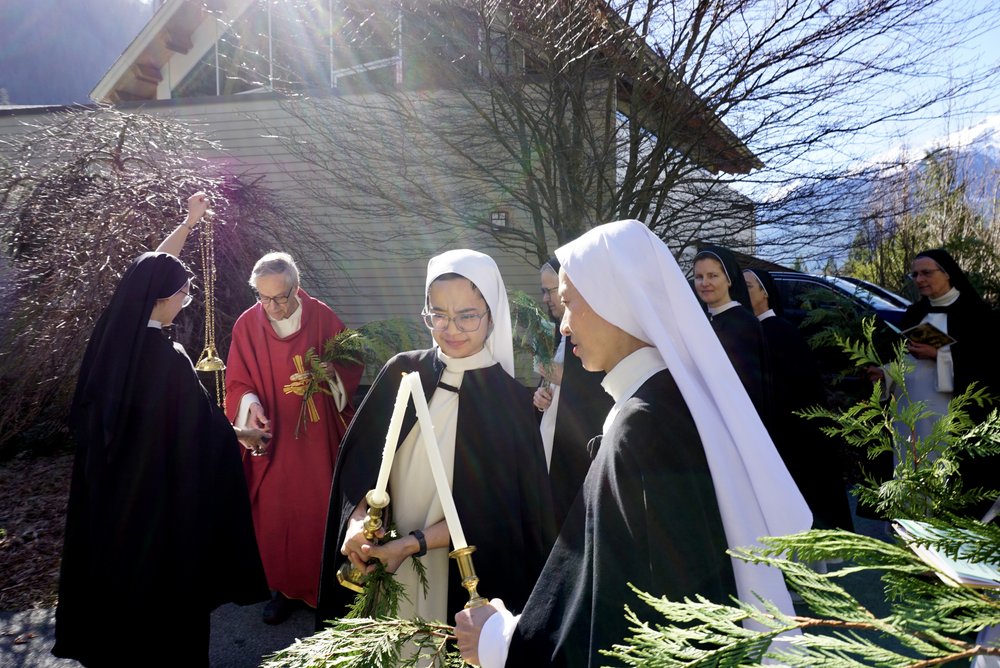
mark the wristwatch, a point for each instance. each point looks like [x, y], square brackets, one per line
[419, 535]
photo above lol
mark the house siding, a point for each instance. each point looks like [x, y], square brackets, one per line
[362, 282]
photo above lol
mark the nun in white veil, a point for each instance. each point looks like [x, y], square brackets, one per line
[685, 468]
[489, 442]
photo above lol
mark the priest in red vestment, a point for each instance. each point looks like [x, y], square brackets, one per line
[289, 481]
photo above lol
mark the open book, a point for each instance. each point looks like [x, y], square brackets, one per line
[927, 333]
[955, 572]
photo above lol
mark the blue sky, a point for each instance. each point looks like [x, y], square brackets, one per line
[981, 51]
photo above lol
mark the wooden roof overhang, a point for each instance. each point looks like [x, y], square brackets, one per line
[138, 72]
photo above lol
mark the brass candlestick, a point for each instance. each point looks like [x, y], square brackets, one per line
[347, 575]
[470, 580]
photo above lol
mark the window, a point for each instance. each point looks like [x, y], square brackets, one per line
[299, 44]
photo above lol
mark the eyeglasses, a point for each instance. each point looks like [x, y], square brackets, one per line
[187, 299]
[465, 322]
[923, 273]
[280, 301]
[553, 293]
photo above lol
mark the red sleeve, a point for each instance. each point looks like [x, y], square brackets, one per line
[238, 375]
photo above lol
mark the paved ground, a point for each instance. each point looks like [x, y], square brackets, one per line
[239, 638]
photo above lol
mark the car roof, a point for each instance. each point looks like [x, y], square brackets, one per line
[885, 293]
[856, 290]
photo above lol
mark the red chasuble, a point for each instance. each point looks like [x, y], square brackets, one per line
[290, 486]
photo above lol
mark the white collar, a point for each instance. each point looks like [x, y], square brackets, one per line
[479, 360]
[631, 372]
[288, 326]
[769, 313]
[623, 381]
[947, 299]
[155, 324]
[721, 309]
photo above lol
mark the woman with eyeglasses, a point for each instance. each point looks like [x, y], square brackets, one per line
[490, 444]
[950, 303]
[158, 528]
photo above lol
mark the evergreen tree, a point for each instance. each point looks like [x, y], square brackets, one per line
[926, 206]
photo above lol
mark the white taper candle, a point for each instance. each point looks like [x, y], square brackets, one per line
[437, 465]
[391, 439]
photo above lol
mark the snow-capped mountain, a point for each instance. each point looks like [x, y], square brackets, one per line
[823, 215]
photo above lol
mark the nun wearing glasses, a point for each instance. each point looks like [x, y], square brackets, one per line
[489, 441]
[949, 302]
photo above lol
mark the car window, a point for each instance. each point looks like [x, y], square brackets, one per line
[862, 293]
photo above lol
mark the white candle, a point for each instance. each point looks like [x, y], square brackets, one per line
[391, 439]
[437, 465]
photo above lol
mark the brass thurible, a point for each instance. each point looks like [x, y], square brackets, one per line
[470, 580]
[347, 575]
[209, 360]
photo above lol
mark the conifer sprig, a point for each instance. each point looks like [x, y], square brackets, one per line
[927, 620]
[533, 328]
[372, 643]
[925, 482]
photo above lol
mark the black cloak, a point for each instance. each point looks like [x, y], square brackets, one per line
[647, 515]
[971, 322]
[812, 457]
[158, 529]
[973, 325]
[583, 405]
[500, 484]
[740, 334]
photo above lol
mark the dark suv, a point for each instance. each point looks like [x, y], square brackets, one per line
[842, 303]
[800, 292]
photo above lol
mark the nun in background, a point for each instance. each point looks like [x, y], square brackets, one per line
[573, 406]
[684, 470]
[719, 284]
[950, 303]
[796, 384]
[490, 446]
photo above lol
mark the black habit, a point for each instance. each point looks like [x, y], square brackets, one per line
[811, 457]
[742, 338]
[500, 484]
[973, 325]
[740, 334]
[158, 529]
[583, 405]
[647, 515]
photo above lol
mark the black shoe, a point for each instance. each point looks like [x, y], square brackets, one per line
[278, 609]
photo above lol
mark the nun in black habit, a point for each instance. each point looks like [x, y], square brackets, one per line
[684, 470]
[796, 384]
[158, 530]
[575, 409]
[950, 303]
[490, 445]
[719, 284]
